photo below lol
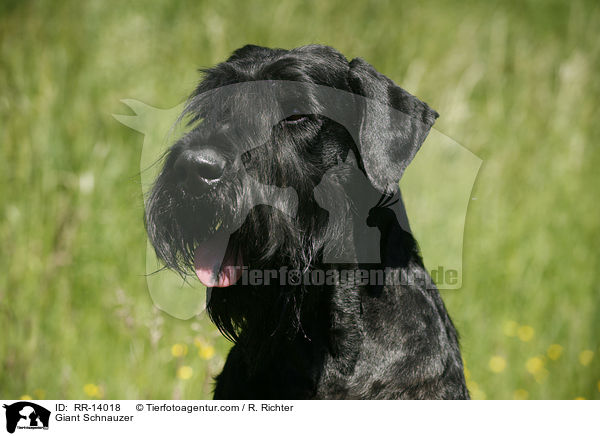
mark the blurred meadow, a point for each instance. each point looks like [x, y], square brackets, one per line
[516, 83]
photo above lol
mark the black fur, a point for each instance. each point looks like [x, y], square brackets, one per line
[342, 339]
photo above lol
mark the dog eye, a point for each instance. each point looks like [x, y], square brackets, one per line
[295, 119]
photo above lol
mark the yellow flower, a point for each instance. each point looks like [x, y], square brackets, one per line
[185, 372]
[521, 394]
[91, 390]
[541, 375]
[206, 352]
[534, 365]
[579, 398]
[471, 385]
[468, 375]
[25, 397]
[585, 357]
[476, 393]
[525, 333]
[554, 351]
[510, 328]
[497, 364]
[40, 394]
[179, 350]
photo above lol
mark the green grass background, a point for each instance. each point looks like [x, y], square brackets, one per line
[517, 83]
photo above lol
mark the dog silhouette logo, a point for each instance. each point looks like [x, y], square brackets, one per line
[26, 415]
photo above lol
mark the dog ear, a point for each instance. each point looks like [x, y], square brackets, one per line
[392, 124]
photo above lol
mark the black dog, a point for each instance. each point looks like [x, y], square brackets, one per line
[284, 199]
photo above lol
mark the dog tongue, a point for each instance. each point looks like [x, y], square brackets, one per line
[213, 267]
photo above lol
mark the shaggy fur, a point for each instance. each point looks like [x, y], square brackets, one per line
[298, 189]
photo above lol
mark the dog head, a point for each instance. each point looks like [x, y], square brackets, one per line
[266, 126]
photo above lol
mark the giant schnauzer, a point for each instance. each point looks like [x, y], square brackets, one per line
[283, 198]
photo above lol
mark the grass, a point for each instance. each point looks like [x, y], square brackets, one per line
[515, 82]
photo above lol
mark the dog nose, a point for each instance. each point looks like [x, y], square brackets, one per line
[195, 169]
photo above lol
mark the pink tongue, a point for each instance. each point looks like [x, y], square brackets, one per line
[213, 268]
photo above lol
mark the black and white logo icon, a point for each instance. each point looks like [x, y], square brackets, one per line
[26, 415]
